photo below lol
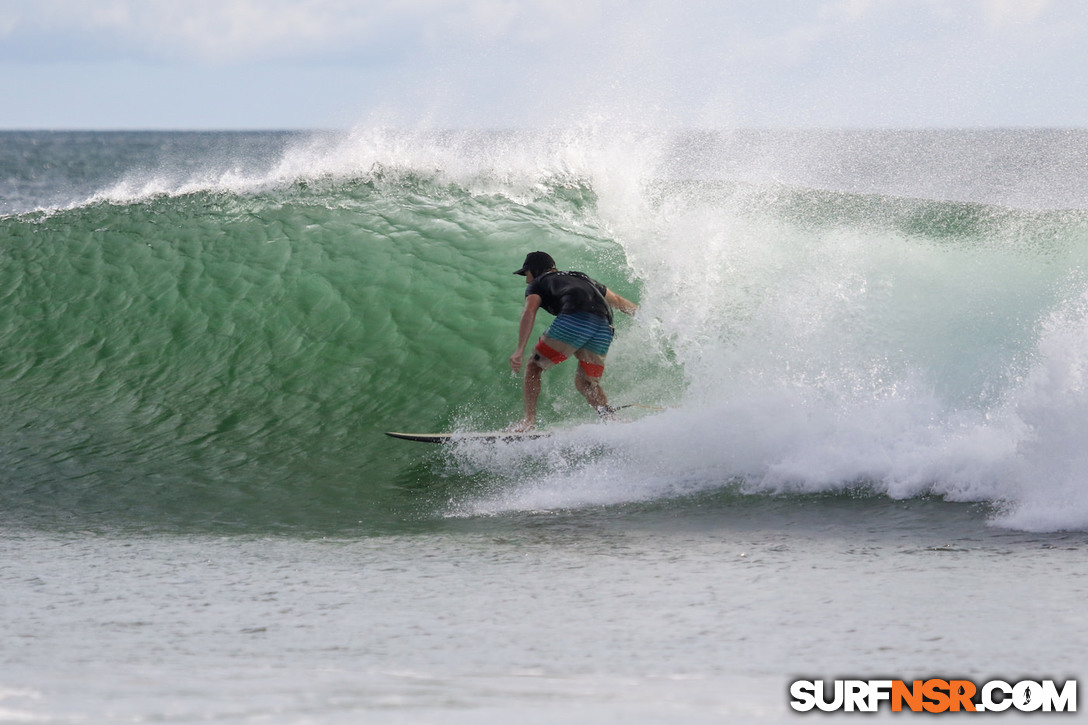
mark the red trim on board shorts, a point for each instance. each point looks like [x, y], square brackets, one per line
[591, 370]
[549, 352]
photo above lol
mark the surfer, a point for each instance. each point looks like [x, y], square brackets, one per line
[582, 327]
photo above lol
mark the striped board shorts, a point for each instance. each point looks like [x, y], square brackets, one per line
[582, 334]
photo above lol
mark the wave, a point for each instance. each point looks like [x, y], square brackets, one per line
[230, 356]
[224, 342]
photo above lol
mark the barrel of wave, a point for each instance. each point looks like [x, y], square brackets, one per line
[205, 350]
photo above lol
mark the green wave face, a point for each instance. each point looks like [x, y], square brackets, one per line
[234, 358]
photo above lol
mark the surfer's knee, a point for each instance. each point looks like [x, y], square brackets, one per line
[588, 374]
[584, 383]
[590, 388]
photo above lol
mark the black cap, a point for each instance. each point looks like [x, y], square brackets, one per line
[536, 262]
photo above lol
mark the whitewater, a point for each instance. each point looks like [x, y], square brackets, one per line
[859, 370]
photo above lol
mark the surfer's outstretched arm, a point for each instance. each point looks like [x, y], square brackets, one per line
[625, 306]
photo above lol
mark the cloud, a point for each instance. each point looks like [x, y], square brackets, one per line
[776, 62]
[240, 31]
[1005, 13]
[210, 31]
[229, 31]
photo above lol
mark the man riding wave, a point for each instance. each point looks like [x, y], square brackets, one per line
[582, 327]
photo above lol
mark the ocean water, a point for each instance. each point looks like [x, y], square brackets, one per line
[860, 372]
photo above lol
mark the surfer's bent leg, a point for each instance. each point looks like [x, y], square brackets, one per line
[588, 382]
[532, 392]
[591, 357]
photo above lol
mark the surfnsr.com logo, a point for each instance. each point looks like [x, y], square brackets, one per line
[933, 695]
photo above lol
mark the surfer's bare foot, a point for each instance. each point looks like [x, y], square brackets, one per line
[522, 426]
[607, 412]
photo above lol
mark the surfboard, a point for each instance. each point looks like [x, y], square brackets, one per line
[491, 436]
[484, 436]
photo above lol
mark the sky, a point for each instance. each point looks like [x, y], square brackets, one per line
[310, 64]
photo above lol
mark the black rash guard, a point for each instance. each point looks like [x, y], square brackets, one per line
[568, 292]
